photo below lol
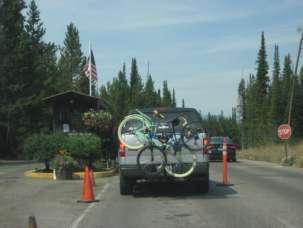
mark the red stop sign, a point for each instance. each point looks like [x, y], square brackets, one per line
[284, 131]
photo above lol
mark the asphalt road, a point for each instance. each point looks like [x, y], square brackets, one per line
[260, 195]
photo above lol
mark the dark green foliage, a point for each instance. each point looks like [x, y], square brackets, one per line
[43, 147]
[71, 63]
[30, 71]
[34, 26]
[262, 81]
[298, 106]
[97, 120]
[101, 123]
[276, 92]
[12, 70]
[167, 99]
[125, 95]
[41, 68]
[174, 102]
[27, 72]
[286, 86]
[136, 86]
[296, 117]
[150, 95]
[158, 99]
[266, 105]
[242, 100]
[85, 148]
[222, 126]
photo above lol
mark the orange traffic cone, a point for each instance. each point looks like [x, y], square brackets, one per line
[87, 190]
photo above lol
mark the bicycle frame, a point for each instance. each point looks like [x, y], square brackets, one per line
[152, 133]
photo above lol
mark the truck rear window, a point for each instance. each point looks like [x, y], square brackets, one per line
[190, 115]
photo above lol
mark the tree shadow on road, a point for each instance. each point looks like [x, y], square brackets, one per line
[182, 190]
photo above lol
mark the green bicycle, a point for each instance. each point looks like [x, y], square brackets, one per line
[162, 149]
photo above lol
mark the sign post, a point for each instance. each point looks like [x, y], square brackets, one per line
[284, 133]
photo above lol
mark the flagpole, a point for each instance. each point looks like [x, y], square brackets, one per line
[90, 69]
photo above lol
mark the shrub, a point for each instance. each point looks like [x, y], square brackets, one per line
[101, 123]
[85, 148]
[63, 159]
[64, 165]
[63, 149]
[289, 161]
[101, 120]
[299, 162]
[43, 147]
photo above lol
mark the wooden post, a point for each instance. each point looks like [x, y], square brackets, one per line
[286, 150]
[32, 222]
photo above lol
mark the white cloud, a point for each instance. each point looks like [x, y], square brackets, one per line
[129, 15]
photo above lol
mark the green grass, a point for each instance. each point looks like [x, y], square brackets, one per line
[275, 153]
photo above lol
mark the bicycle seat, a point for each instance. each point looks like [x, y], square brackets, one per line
[175, 121]
[163, 138]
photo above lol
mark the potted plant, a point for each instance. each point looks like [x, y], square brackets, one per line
[64, 165]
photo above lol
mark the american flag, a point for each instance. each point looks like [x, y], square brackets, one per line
[90, 67]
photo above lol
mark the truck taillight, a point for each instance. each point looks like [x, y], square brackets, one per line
[205, 141]
[231, 146]
[205, 145]
[122, 150]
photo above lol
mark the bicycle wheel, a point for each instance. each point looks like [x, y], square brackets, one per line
[192, 136]
[151, 160]
[132, 132]
[180, 164]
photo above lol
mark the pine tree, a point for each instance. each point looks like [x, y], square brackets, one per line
[71, 62]
[242, 109]
[262, 81]
[241, 100]
[275, 103]
[158, 98]
[135, 85]
[34, 26]
[122, 94]
[296, 117]
[12, 68]
[150, 96]
[174, 102]
[234, 114]
[167, 99]
[251, 122]
[183, 103]
[39, 70]
[104, 93]
[286, 87]
[298, 106]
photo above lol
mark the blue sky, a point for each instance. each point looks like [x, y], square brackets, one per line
[202, 48]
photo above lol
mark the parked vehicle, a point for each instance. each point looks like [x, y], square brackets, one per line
[164, 144]
[215, 148]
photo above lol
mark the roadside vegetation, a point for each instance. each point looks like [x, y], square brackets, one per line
[32, 68]
[275, 153]
[263, 104]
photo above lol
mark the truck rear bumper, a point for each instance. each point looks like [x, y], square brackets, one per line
[133, 172]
